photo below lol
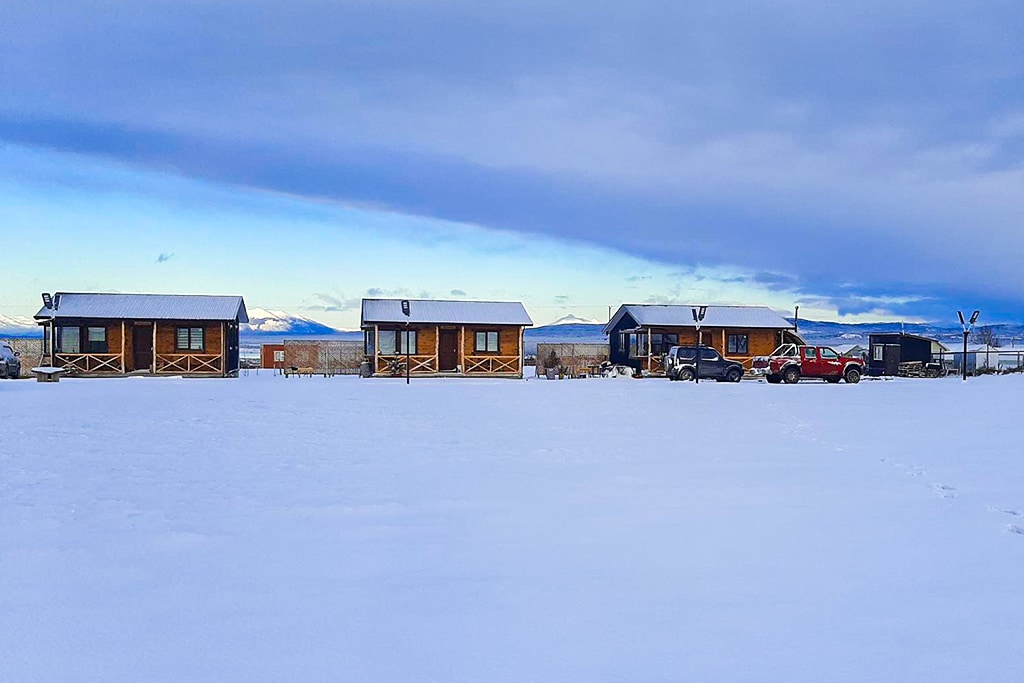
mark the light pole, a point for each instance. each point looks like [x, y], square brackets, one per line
[698, 317]
[405, 312]
[966, 325]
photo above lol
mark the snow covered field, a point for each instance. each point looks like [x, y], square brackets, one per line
[489, 531]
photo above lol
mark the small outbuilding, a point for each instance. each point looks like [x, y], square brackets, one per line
[890, 349]
[272, 356]
[444, 338]
[639, 335]
[159, 334]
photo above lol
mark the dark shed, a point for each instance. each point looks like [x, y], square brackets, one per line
[890, 349]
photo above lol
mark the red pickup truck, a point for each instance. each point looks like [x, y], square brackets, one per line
[791, 362]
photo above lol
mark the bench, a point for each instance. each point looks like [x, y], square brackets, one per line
[308, 372]
[48, 374]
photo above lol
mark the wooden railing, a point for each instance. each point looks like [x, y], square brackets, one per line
[492, 364]
[89, 362]
[416, 364]
[191, 363]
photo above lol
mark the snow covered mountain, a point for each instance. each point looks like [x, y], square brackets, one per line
[267, 322]
[574, 320]
[18, 326]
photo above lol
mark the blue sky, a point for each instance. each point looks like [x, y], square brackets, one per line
[863, 161]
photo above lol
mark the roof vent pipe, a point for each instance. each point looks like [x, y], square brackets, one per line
[47, 300]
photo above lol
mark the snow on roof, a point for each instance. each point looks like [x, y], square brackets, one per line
[440, 311]
[679, 315]
[145, 307]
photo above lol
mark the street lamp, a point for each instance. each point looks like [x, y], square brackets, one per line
[406, 313]
[698, 317]
[966, 325]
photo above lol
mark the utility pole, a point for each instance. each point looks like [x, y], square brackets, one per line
[698, 317]
[406, 313]
[966, 325]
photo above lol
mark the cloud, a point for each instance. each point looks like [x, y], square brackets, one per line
[562, 298]
[333, 304]
[682, 134]
[457, 293]
[164, 257]
[637, 278]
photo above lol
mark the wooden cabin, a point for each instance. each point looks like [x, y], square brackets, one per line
[639, 335]
[151, 334]
[444, 338]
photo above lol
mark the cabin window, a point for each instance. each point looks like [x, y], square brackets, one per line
[394, 342]
[69, 340]
[486, 342]
[877, 352]
[278, 356]
[636, 343]
[368, 342]
[190, 339]
[97, 340]
[46, 339]
[661, 343]
[738, 344]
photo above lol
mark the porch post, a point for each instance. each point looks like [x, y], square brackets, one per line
[123, 369]
[376, 346]
[522, 352]
[462, 349]
[437, 348]
[154, 348]
[223, 350]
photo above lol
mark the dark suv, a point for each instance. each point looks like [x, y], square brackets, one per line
[680, 363]
[10, 363]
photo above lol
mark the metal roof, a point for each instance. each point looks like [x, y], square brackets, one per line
[439, 311]
[145, 307]
[679, 315]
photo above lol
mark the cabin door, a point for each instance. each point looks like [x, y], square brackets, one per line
[892, 359]
[142, 347]
[448, 350]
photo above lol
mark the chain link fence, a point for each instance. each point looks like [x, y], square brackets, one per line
[324, 357]
[31, 351]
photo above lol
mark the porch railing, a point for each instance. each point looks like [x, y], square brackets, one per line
[385, 364]
[492, 364]
[191, 363]
[89, 362]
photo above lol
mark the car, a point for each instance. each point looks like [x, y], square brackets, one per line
[792, 362]
[680, 363]
[10, 362]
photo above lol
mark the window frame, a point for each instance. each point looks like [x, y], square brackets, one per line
[487, 335]
[190, 342]
[62, 336]
[392, 342]
[733, 347]
[878, 352]
[99, 345]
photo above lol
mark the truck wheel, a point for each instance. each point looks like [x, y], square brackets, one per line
[734, 375]
[685, 375]
[791, 375]
[852, 375]
[773, 379]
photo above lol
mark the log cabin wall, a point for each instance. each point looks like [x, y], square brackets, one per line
[508, 340]
[167, 331]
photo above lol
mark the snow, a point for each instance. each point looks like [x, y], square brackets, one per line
[571, 319]
[18, 325]
[265, 529]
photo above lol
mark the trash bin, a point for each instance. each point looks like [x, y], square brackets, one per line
[365, 370]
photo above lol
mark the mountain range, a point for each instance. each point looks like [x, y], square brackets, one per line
[271, 325]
